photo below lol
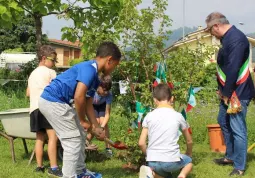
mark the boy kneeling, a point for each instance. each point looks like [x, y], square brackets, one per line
[161, 126]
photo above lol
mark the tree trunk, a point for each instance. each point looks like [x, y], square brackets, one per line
[38, 27]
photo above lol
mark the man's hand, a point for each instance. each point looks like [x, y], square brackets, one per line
[219, 94]
[225, 100]
[99, 133]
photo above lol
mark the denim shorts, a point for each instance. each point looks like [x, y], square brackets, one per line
[165, 169]
[99, 110]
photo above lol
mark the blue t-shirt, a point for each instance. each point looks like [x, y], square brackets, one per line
[102, 99]
[62, 88]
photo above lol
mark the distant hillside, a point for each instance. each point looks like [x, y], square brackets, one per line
[177, 34]
[174, 36]
[251, 35]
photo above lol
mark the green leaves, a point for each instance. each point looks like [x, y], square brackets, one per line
[9, 13]
[21, 35]
[3, 9]
[187, 66]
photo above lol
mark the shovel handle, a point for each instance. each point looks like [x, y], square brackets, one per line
[109, 141]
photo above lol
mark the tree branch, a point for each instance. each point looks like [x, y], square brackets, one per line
[69, 9]
[23, 7]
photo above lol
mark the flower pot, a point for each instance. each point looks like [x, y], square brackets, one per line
[216, 138]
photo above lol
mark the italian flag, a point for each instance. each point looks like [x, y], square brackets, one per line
[184, 114]
[191, 99]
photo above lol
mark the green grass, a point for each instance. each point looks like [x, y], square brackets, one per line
[112, 168]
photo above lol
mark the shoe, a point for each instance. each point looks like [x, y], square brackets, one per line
[55, 172]
[236, 172]
[145, 172]
[222, 162]
[89, 174]
[39, 169]
[108, 152]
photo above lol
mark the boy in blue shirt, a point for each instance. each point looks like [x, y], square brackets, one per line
[78, 85]
[102, 106]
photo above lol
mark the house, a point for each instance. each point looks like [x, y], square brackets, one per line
[191, 41]
[66, 51]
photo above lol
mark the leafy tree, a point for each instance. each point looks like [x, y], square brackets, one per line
[143, 46]
[21, 36]
[100, 11]
[188, 67]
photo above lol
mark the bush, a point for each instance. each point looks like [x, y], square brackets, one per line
[72, 62]
[15, 50]
[209, 84]
[4, 73]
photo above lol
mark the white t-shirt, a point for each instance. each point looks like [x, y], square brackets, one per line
[163, 125]
[37, 81]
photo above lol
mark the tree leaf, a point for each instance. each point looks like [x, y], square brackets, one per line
[2, 9]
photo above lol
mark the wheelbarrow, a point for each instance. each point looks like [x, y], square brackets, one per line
[16, 124]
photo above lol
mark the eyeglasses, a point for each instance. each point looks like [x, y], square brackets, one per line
[52, 59]
[209, 29]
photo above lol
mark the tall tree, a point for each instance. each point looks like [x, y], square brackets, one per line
[21, 35]
[82, 12]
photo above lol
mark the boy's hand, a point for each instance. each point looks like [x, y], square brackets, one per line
[85, 124]
[99, 133]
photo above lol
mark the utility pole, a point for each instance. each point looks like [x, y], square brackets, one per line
[183, 30]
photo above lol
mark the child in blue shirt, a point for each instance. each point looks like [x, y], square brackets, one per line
[78, 84]
[102, 106]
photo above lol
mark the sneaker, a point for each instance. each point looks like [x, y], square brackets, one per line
[39, 169]
[236, 172]
[108, 152]
[89, 174]
[222, 162]
[55, 172]
[145, 172]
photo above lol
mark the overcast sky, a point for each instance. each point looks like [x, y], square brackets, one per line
[196, 11]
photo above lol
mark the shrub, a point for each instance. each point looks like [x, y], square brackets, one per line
[4, 73]
[15, 50]
[72, 62]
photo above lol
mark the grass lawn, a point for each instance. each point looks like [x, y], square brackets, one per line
[112, 168]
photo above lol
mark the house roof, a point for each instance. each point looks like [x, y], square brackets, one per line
[193, 37]
[187, 39]
[65, 43]
[251, 40]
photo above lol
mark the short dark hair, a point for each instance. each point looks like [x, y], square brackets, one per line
[106, 82]
[108, 49]
[46, 50]
[162, 92]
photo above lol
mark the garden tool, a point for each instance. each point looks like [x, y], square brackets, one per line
[117, 144]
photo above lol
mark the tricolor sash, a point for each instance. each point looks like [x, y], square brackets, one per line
[243, 74]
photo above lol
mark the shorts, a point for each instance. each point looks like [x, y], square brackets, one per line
[38, 122]
[165, 169]
[99, 110]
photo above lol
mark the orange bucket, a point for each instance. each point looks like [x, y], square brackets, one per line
[216, 138]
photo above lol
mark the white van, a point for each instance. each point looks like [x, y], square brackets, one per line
[14, 60]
